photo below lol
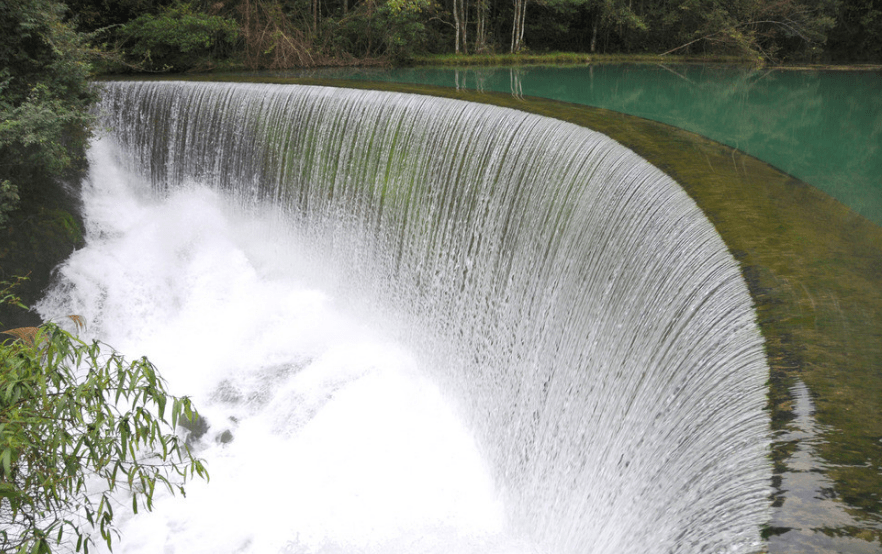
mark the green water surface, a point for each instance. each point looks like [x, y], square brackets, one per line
[824, 127]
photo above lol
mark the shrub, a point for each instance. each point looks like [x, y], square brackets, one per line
[45, 98]
[178, 39]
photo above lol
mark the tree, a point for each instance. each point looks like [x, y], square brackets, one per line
[857, 35]
[767, 30]
[94, 15]
[393, 29]
[45, 97]
[79, 426]
[482, 13]
[614, 13]
[402, 28]
[271, 39]
[517, 26]
[461, 22]
[178, 39]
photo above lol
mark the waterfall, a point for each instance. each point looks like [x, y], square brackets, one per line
[566, 302]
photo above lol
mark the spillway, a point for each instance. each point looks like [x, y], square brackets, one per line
[582, 371]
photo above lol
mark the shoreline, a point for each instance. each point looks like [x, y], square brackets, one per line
[573, 58]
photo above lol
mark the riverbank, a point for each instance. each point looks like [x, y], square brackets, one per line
[561, 59]
[566, 58]
[576, 58]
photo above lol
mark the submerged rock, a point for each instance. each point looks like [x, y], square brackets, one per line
[196, 427]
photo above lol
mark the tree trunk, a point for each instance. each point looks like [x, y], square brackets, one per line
[464, 4]
[514, 26]
[461, 15]
[594, 37]
[461, 19]
[517, 28]
[315, 17]
[481, 27]
[458, 25]
[523, 24]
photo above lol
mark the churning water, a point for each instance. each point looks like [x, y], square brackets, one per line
[422, 325]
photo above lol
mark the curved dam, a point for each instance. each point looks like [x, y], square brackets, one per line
[580, 317]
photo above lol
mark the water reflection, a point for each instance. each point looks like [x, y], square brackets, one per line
[807, 518]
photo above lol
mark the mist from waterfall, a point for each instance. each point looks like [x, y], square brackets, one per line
[422, 325]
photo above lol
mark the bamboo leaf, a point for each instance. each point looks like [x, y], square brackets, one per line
[6, 462]
[63, 424]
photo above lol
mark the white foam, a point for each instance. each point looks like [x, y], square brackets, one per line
[339, 441]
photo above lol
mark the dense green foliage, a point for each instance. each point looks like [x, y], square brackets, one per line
[857, 34]
[44, 97]
[78, 427]
[394, 28]
[302, 33]
[178, 39]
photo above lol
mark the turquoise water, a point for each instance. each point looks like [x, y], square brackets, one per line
[824, 127]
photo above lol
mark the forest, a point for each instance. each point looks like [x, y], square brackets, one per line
[51, 48]
[173, 35]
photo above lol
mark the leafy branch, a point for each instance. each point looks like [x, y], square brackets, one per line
[78, 429]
